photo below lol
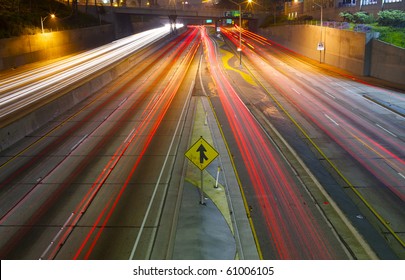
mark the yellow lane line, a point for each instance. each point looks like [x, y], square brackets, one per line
[259, 251]
[226, 56]
[351, 186]
[392, 164]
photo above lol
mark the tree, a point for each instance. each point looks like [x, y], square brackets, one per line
[395, 18]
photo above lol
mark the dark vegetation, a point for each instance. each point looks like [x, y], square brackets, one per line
[23, 17]
[390, 24]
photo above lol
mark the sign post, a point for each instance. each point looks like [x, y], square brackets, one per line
[201, 153]
[320, 48]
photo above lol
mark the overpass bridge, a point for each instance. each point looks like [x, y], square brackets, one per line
[203, 13]
[123, 17]
[187, 15]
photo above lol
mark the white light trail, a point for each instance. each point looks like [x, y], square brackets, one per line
[20, 91]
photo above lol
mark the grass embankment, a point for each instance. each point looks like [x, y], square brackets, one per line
[391, 35]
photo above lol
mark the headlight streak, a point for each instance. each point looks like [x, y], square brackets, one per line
[163, 102]
[6, 84]
[37, 86]
[50, 252]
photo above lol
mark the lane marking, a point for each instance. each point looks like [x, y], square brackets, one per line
[386, 130]
[332, 120]
[372, 101]
[129, 137]
[329, 94]
[56, 236]
[123, 101]
[79, 142]
[332, 164]
[134, 247]
[296, 91]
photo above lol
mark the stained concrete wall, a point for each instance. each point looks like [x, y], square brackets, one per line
[355, 52]
[343, 49]
[26, 49]
[388, 62]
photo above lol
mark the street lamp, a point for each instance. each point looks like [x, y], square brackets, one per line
[240, 29]
[320, 6]
[320, 44]
[43, 19]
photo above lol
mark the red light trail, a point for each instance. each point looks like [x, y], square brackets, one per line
[331, 105]
[292, 231]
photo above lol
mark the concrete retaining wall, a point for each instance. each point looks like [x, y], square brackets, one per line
[38, 118]
[33, 121]
[388, 62]
[343, 49]
[26, 49]
[354, 52]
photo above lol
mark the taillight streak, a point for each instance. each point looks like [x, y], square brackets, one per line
[274, 186]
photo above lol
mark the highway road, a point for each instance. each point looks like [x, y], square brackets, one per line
[357, 138]
[93, 183]
[84, 181]
[287, 224]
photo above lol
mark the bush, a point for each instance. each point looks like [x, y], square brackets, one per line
[359, 17]
[395, 18]
[347, 16]
[304, 18]
[363, 17]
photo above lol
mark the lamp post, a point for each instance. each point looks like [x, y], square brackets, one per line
[320, 6]
[320, 44]
[240, 29]
[43, 19]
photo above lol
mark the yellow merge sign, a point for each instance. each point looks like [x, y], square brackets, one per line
[201, 153]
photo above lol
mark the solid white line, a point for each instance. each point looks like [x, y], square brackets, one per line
[386, 130]
[332, 120]
[56, 236]
[327, 93]
[129, 135]
[402, 175]
[377, 104]
[199, 73]
[160, 177]
[123, 101]
[78, 143]
[296, 91]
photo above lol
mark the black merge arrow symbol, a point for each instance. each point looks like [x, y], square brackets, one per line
[202, 151]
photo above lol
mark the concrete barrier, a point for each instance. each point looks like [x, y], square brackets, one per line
[355, 52]
[343, 49]
[26, 49]
[387, 62]
[33, 121]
